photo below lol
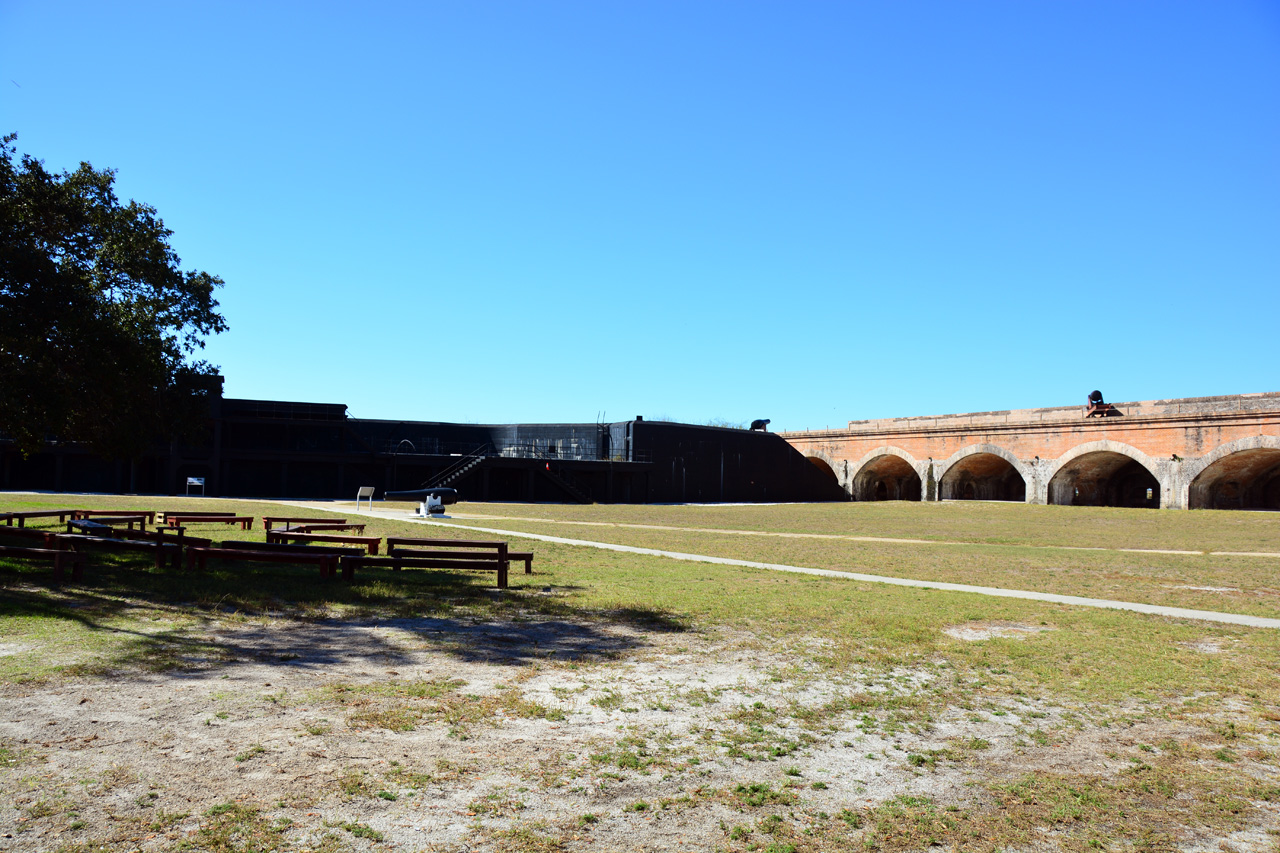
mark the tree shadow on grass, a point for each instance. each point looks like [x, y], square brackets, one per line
[166, 620]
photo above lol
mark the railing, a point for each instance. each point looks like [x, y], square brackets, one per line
[562, 449]
[426, 446]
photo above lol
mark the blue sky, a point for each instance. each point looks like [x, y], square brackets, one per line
[806, 211]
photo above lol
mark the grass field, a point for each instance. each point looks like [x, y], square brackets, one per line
[1153, 733]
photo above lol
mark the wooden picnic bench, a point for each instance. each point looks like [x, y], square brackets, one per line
[327, 559]
[140, 517]
[158, 550]
[371, 543]
[269, 520]
[245, 521]
[61, 560]
[22, 516]
[91, 528]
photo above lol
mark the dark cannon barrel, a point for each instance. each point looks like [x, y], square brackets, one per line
[446, 496]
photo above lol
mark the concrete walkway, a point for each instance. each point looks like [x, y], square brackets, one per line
[997, 592]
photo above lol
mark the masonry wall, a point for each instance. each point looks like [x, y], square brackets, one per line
[1055, 450]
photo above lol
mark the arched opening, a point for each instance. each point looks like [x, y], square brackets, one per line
[1247, 479]
[983, 477]
[1104, 478]
[822, 466]
[887, 478]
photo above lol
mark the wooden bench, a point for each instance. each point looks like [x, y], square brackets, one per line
[141, 517]
[441, 554]
[48, 538]
[169, 517]
[327, 559]
[512, 556]
[127, 521]
[245, 521]
[61, 560]
[158, 550]
[320, 528]
[269, 520]
[524, 556]
[165, 534]
[401, 560]
[371, 543]
[22, 516]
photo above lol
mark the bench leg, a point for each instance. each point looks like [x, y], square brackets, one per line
[348, 569]
[502, 576]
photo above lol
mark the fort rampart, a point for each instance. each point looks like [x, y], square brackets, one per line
[1196, 453]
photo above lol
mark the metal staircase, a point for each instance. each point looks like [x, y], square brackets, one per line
[565, 482]
[458, 470]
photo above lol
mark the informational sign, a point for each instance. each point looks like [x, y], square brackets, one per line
[195, 481]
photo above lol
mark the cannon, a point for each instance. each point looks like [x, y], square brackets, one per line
[433, 501]
[1098, 408]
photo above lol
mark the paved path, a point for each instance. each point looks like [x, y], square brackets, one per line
[1074, 600]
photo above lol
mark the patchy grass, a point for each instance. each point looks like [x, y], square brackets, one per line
[851, 662]
[1202, 581]
[128, 616]
[235, 826]
[403, 706]
[958, 521]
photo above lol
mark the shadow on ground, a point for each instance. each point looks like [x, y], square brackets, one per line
[322, 645]
[162, 621]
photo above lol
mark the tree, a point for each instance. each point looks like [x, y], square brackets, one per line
[98, 325]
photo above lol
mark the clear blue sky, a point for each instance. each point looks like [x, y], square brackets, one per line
[807, 211]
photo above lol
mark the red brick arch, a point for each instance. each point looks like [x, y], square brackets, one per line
[824, 466]
[1106, 473]
[886, 473]
[1241, 474]
[983, 472]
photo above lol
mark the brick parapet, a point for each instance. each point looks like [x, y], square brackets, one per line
[1212, 407]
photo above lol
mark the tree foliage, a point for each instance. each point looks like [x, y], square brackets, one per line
[98, 325]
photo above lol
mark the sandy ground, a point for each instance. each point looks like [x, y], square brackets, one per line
[558, 730]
